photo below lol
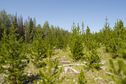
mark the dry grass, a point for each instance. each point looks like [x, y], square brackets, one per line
[93, 77]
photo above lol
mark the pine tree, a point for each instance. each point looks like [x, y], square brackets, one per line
[38, 50]
[29, 30]
[76, 45]
[51, 73]
[93, 60]
[118, 71]
[12, 56]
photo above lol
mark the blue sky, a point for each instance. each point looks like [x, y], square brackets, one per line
[64, 12]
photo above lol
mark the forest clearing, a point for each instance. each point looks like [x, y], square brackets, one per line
[62, 42]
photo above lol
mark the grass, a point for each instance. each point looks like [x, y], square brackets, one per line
[92, 76]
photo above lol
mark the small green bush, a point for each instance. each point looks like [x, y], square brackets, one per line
[118, 70]
[82, 78]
